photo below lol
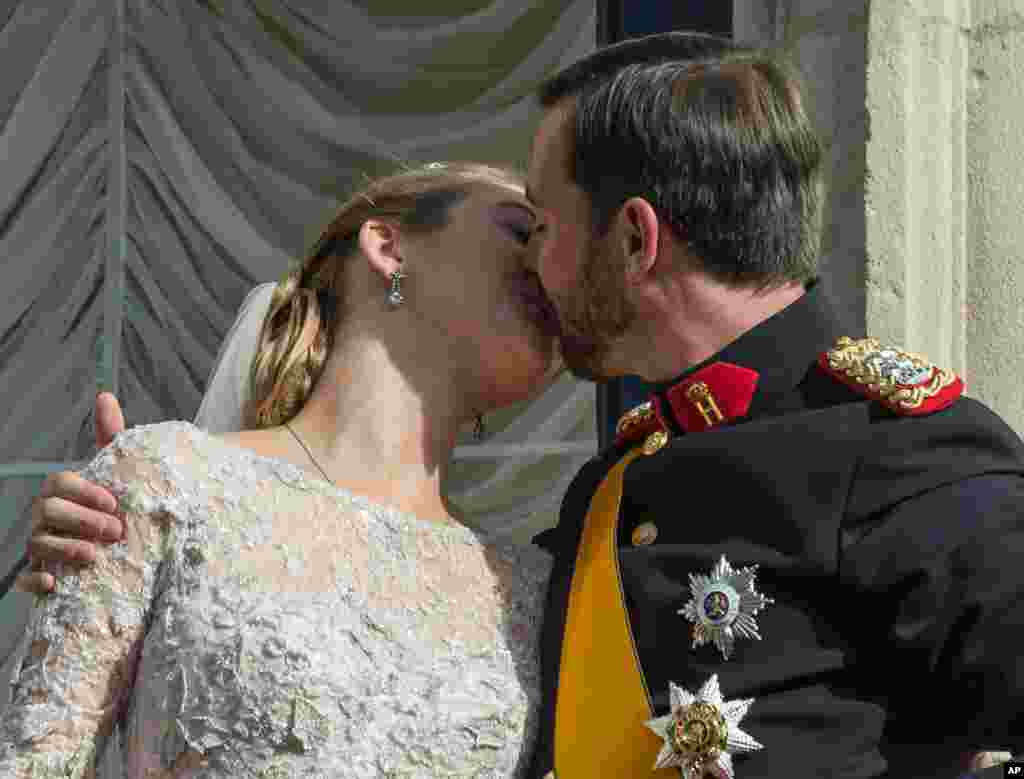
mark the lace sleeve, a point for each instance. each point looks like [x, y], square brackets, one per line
[75, 677]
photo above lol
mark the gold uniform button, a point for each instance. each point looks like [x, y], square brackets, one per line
[633, 417]
[655, 441]
[644, 534]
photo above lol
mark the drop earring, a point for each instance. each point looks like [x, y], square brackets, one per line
[395, 297]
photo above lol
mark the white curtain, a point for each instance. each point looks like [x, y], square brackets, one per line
[162, 158]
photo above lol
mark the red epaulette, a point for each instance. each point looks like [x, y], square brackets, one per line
[904, 382]
[717, 393]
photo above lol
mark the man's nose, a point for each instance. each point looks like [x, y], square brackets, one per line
[531, 261]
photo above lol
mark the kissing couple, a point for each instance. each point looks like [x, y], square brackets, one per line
[295, 598]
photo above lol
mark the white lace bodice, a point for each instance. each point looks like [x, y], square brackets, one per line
[256, 622]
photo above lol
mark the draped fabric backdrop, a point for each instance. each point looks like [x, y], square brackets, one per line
[161, 158]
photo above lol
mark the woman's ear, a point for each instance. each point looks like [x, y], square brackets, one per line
[378, 241]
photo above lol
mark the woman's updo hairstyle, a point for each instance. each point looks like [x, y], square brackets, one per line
[299, 329]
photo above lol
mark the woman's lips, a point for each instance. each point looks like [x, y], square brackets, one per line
[538, 312]
[537, 303]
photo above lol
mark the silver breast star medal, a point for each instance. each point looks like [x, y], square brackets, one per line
[723, 606]
[702, 732]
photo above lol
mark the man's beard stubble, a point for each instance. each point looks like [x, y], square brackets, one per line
[596, 314]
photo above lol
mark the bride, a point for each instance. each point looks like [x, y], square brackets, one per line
[296, 599]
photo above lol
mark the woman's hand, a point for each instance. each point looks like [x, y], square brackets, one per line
[70, 514]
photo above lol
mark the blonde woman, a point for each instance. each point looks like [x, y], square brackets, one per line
[296, 599]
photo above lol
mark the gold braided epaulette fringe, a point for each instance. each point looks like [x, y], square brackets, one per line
[905, 382]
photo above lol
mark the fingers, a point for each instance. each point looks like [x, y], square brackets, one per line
[60, 517]
[50, 548]
[109, 419]
[67, 515]
[35, 583]
[68, 486]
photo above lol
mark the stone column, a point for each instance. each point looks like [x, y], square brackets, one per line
[995, 233]
[915, 178]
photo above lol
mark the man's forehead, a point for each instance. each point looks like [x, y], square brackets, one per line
[533, 179]
[547, 146]
[533, 166]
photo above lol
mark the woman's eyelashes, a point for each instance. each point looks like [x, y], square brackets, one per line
[521, 232]
[517, 219]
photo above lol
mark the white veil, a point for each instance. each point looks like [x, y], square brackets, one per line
[221, 408]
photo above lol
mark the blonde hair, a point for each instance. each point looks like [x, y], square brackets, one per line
[299, 329]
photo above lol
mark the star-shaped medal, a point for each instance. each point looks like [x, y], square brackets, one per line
[723, 606]
[701, 732]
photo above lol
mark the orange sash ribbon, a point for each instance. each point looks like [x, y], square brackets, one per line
[602, 701]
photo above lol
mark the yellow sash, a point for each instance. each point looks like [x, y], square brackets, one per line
[602, 701]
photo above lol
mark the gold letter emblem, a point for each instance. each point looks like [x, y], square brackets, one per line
[704, 401]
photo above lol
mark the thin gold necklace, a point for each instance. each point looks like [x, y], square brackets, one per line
[311, 457]
[448, 520]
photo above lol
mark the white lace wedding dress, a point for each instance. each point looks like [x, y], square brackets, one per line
[257, 622]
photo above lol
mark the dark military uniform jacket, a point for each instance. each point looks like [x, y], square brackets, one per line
[891, 544]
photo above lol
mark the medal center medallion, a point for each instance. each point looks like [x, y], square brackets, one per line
[720, 605]
[700, 732]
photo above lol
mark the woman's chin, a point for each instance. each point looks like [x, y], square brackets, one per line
[525, 368]
[525, 349]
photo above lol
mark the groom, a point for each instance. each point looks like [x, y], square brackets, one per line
[786, 565]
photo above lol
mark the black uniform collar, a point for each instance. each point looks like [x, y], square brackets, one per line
[780, 351]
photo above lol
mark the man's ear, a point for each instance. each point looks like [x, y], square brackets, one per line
[640, 232]
[379, 243]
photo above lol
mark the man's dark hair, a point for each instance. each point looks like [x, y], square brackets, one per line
[713, 135]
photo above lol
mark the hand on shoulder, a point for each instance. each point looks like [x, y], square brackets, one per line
[70, 515]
